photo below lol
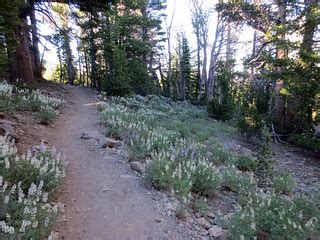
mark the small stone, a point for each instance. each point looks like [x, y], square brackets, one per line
[6, 128]
[61, 207]
[228, 216]
[204, 233]
[92, 135]
[169, 213]
[108, 142]
[63, 219]
[8, 122]
[204, 223]
[182, 214]
[198, 215]
[211, 215]
[216, 232]
[138, 167]
[106, 189]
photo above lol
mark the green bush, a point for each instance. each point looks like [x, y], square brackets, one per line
[245, 163]
[46, 115]
[205, 180]
[235, 181]
[25, 98]
[306, 141]
[159, 174]
[27, 184]
[282, 182]
[219, 111]
[272, 217]
[199, 204]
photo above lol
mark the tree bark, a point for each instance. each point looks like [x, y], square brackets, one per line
[69, 59]
[92, 53]
[37, 68]
[20, 60]
[280, 111]
[215, 52]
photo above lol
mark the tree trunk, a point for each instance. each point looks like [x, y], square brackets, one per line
[87, 67]
[92, 54]
[215, 52]
[280, 112]
[69, 59]
[198, 66]
[307, 105]
[204, 66]
[37, 68]
[228, 48]
[20, 60]
[60, 65]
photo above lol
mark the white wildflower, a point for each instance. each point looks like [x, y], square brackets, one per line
[7, 163]
[6, 199]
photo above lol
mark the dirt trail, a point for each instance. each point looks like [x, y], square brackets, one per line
[104, 200]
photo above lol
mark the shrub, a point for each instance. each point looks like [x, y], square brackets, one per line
[26, 184]
[205, 180]
[219, 111]
[159, 174]
[306, 141]
[283, 182]
[26, 99]
[46, 115]
[271, 217]
[199, 204]
[245, 163]
[235, 181]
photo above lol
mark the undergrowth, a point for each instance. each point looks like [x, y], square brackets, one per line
[13, 98]
[27, 183]
[181, 147]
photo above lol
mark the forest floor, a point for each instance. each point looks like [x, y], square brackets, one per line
[103, 197]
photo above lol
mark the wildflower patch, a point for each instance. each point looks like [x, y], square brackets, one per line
[27, 183]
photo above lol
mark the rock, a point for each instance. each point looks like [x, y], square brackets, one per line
[216, 232]
[106, 189]
[4, 121]
[108, 142]
[182, 214]
[204, 223]
[63, 219]
[198, 215]
[204, 233]
[61, 207]
[6, 128]
[92, 135]
[211, 215]
[228, 216]
[101, 106]
[138, 167]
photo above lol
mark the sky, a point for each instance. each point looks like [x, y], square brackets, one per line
[181, 21]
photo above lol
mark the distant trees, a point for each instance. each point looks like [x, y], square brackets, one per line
[284, 66]
[122, 42]
[62, 40]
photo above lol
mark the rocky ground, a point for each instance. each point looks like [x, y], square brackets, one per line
[303, 165]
